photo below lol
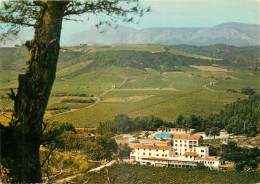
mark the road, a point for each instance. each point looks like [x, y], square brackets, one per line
[102, 166]
[68, 179]
[72, 110]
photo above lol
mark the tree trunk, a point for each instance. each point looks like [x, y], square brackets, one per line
[34, 91]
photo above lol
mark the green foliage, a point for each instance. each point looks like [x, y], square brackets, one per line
[124, 151]
[125, 173]
[213, 131]
[241, 156]
[123, 124]
[231, 55]
[77, 101]
[83, 73]
[247, 91]
[61, 136]
[103, 148]
[232, 118]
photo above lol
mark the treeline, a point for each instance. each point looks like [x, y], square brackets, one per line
[61, 94]
[243, 158]
[77, 101]
[231, 118]
[124, 124]
[231, 55]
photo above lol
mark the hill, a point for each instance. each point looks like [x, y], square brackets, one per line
[232, 33]
[238, 34]
[149, 79]
[231, 55]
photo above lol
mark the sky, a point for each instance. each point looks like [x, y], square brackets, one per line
[186, 13]
[182, 13]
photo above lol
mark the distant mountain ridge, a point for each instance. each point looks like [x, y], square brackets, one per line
[237, 34]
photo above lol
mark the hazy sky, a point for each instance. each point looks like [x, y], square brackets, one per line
[184, 13]
[188, 13]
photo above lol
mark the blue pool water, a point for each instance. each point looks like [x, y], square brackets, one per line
[164, 135]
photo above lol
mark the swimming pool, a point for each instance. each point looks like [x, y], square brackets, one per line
[164, 135]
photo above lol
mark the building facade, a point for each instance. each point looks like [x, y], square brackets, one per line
[185, 151]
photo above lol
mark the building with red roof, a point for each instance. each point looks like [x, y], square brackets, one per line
[186, 151]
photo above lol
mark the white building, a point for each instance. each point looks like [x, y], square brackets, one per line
[185, 152]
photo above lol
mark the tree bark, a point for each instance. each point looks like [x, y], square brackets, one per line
[34, 91]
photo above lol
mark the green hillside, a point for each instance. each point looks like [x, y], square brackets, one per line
[231, 55]
[149, 79]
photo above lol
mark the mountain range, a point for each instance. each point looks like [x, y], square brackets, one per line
[237, 34]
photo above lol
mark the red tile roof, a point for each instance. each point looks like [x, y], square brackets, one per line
[140, 146]
[229, 165]
[187, 136]
[191, 154]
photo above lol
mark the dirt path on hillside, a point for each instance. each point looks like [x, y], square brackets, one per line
[72, 110]
[68, 179]
[96, 102]
[205, 87]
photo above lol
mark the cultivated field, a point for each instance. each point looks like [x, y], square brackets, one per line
[139, 92]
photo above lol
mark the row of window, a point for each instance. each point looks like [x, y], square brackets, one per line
[190, 142]
[163, 155]
[188, 156]
[151, 150]
[207, 162]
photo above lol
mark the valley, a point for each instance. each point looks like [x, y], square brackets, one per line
[96, 83]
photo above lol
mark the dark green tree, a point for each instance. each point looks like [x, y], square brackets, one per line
[103, 148]
[21, 146]
[247, 91]
[215, 131]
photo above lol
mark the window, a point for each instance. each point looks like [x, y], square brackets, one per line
[165, 155]
[176, 141]
[150, 150]
[185, 145]
[163, 150]
[185, 149]
[157, 150]
[186, 156]
[202, 151]
[176, 145]
[180, 140]
[190, 156]
[185, 141]
[162, 155]
[157, 155]
[180, 145]
[144, 149]
[143, 153]
[149, 154]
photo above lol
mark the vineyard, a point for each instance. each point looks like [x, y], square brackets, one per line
[149, 81]
[124, 173]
